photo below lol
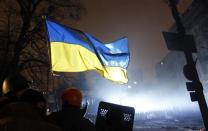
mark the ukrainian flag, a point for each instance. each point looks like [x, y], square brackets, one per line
[75, 51]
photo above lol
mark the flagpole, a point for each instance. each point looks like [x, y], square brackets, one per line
[49, 71]
[48, 44]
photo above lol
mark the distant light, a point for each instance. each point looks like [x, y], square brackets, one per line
[141, 103]
[135, 82]
[149, 103]
[56, 75]
[129, 86]
[161, 63]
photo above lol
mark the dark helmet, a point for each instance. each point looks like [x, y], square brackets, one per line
[72, 96]
[32, 96]
[14, 83]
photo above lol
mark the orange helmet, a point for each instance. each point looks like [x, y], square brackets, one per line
[72, 96]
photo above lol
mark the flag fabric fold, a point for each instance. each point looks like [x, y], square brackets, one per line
[76, 51]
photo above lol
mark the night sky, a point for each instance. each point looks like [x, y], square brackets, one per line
[142, 21]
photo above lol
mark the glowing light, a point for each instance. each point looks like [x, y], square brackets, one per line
[146, 103]
[129, 86]
[159, 99]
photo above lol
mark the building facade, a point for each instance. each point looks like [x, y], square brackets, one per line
[169, 70]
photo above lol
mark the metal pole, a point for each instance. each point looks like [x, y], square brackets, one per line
[189, 59]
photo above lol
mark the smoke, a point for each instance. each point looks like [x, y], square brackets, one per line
[149, 99]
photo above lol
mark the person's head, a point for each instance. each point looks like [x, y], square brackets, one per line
[14, 83]
[72, 96]
[34, 98]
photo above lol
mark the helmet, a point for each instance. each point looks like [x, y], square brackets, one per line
[32, 96]
[6, 87]
[72, 96]
[14, 83]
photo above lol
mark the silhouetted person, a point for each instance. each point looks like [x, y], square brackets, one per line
[11, 87]
[34, 98]
[26, 114]
[71, 118]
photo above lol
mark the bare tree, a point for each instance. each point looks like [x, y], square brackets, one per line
[23, 41]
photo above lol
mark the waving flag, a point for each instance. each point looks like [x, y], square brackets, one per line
[76, 51]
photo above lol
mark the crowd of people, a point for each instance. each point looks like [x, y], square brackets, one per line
[24, 109]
